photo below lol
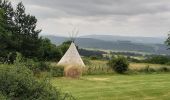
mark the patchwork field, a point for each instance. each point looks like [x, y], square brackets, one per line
[117, 87]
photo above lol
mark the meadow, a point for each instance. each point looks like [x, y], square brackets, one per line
[117, 87]
[101, 83]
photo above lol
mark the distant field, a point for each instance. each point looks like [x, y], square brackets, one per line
[117, 87]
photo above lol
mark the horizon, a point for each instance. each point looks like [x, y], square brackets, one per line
[100, 35]
[123, 18]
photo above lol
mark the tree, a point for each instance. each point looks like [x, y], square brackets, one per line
[64, 46]
[28, 36]
[3, 31]
[8, 12]
[5, 37]
[119, 64]
[18, 33]
[167, 42]
[49, 51]
[8, 37]
[9, 16]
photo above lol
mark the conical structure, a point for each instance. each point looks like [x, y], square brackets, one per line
[71, 57]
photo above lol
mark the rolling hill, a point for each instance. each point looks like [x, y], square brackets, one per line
[145, 40]
[120, 45]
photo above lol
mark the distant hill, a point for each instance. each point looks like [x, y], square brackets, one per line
[119, 45]
[145, 40]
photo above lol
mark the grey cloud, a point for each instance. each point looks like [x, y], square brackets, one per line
[103, 7]
[111, 16]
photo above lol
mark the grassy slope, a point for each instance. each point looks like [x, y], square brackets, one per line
[117, 87]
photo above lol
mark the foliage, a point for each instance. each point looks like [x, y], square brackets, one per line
[48, 51]
[119, 64]
[57, 71]
[158, 60]
[18, 82]
[167, 42]
[18, 33]
[64, 46]
[35, 66]
[3, 97]
[5, 36]
[25, 26]
[91, 53]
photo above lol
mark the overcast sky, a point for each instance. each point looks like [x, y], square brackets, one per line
[112, 17]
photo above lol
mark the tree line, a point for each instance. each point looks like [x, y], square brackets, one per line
[19, 33]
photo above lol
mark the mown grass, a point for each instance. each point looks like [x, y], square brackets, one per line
[117, 87]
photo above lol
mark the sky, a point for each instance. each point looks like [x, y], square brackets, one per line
[148, 18]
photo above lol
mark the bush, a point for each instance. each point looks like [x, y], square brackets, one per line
[18, 83]
[35, 66]
[3, 97]
[119, 64]
[57, 71]
[43, 66]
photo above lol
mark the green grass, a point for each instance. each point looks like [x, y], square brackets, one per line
[117, 87]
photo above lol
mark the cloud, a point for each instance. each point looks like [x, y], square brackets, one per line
[116, 17]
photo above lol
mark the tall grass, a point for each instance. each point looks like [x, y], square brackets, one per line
[100, 67]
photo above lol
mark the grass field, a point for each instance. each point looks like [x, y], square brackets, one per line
[117, 87]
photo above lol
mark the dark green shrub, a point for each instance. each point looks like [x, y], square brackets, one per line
[119, 64]
[18, 83]
[57, 71]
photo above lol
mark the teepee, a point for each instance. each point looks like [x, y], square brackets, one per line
[71, 57]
